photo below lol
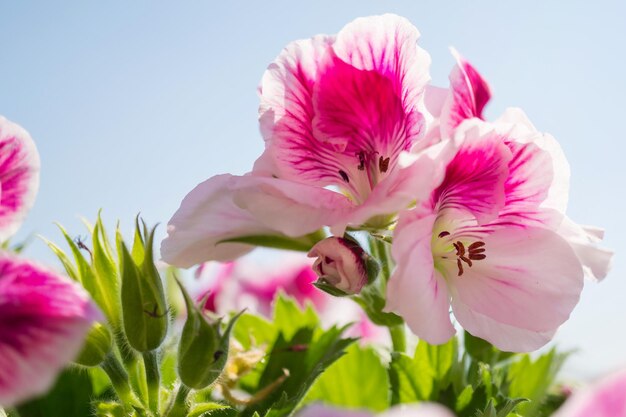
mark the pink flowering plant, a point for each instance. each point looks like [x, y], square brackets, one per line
[427, 255]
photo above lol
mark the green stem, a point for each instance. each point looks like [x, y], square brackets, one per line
[398, 338]
[178, 407]
[153, 379]
[380, 250]
[119, 379]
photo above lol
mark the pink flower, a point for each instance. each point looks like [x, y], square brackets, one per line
[487, 242]
[607, 398]
[19, 176]
[466, 98]
[409, 410]
[44, 319]
[337, 113]
[341, 264]
[254, 285]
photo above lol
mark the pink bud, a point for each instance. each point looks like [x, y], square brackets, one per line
[341, 265]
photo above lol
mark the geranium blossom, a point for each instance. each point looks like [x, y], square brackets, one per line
[337, 114]
[466, 98]
[44, 318]
[486, 242]
[19, 176]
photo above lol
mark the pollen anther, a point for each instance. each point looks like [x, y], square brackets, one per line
[474, 252]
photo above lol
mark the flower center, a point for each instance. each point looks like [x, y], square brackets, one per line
[362, 173]
[447, 248]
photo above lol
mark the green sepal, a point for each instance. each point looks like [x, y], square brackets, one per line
[97, 346]
[202, 351]
[102, 288]
[300, 244]
[373, 303]
[144, 309]
[322, 284]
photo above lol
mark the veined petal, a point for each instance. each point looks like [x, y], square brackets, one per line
[288, 207]
[207, 216]
[416, 290]
[19, 176]
[339, 112]
[530, 279]
[387, 45]
[469, 93]
[43, 321]
[367, 95]
[475, 178]
[540, 172]
[286, 112]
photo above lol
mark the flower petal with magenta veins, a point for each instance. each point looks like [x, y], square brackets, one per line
[475, 178]
[43, 321]
[19, 176]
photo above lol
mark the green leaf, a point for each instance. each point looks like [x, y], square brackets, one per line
[301, 244]
[373, 302]
[72, 384]
[483, 351]
[289, 318]
[297, 344]
[357, 380]
[464, 398]
[410, 380]
[532, 379]
[106, 297]
[439, 358]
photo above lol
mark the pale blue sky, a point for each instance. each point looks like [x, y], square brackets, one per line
[133, 103]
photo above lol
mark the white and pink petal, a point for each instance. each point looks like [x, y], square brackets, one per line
[207, 216]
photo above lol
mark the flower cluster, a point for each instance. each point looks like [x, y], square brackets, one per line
[357, 139]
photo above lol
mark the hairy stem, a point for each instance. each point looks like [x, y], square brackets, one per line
[153, 379]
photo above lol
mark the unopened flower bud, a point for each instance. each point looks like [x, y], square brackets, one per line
[203, 348]
[97, 346]
[144, 309]
[343, 266]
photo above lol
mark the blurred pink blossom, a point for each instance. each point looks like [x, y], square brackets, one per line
[19, 176]
[44, 319]
[606, 398]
